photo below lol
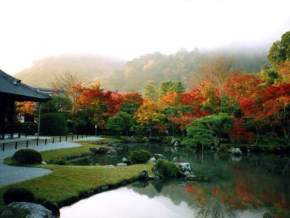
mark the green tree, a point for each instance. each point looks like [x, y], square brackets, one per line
[59, 103]
[151, 91]
[210, 129]
[171, 86]
[280, 50]
[120, 123]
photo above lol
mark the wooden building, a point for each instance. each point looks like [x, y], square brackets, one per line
[12, 90]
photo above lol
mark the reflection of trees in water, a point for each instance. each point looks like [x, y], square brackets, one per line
[214, 209]
[173, 190]
[254, 181]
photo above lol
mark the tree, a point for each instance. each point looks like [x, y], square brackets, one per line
[171, 86]
[65, 81]
[26, 109]
[121, 122]
[239, 85]
[99, 104]
[59, 103]
[150, 91]
[148, 114]
[208, 130]
[131, 102]
[280, 50]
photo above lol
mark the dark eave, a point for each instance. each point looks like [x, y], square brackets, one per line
[13, 88]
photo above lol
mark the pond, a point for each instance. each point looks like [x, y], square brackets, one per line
[247, 186]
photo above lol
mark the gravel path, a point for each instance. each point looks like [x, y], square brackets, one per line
[14, 174]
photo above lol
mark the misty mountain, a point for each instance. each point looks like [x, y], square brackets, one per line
[86, 67]
[133, 75]
[183, 66]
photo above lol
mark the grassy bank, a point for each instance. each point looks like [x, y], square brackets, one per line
[67, 184]
[52, 156]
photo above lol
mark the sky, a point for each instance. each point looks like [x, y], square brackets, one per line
[126, 29]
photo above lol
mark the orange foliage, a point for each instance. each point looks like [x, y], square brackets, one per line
[241, 86]
[169, 99]
[26, 107]
[268, 102]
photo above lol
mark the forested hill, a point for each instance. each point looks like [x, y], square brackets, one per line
[131, 76]
[83, 67]
[184, 66]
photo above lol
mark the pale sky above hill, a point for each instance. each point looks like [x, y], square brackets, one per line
[33, 29]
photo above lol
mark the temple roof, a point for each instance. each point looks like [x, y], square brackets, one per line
[14, 88]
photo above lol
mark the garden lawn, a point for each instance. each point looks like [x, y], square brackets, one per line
[60, 154]
[67, 182]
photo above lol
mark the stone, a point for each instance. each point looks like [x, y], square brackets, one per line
[124, 160]
[29, 210]
[44, 163]
[184, 167]
[112, 151]
[152, 160]
[159, 156]
[235, 151]
[143, 175]
[121, 164]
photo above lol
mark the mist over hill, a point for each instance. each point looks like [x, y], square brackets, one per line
[86, 67]
[131, 76]
[183, 66]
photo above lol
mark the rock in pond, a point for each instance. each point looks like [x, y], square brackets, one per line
[25, 209]
[121, 164]
[235, 151]
[184, 167]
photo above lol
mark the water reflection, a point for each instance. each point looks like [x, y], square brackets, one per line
[126, 203]
[238, 187]
[137, 201]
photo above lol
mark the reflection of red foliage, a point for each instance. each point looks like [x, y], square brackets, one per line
[197, 192]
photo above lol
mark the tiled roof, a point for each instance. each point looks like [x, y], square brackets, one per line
[12, 86]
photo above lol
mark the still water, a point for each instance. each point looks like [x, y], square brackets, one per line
[247, 186]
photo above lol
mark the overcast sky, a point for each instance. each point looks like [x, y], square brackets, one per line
[33, 29]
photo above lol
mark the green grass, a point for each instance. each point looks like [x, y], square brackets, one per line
[66, 182]
[60, 154]
[71, 182]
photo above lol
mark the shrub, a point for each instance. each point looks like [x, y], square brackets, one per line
[166, 169]
[139, 156]
[53, 124]
[27, 156]
[17, 194]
